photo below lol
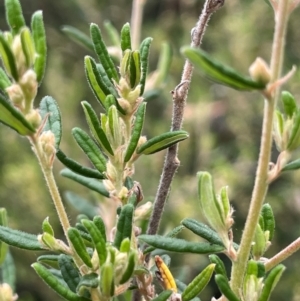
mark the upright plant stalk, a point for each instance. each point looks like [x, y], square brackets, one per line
[179, 99]
[48, 174]
[261, 179]
[136, 22]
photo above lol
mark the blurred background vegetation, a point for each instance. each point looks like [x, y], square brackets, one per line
[224, 125]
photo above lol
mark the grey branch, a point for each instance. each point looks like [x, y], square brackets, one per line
[180, 94]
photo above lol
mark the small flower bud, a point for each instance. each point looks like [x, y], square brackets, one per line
[110, 187]
[260, 71]
[143, 212]
[34, 118]
[6, 293]
[47, 140]
[16, 95]
[142, 140]
[125, 105]
[19, 54]
[123, 194]
[111, 172]
[29, 86]
[133, 95]
[123, 88]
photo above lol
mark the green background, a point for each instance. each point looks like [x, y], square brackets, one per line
[224, 126]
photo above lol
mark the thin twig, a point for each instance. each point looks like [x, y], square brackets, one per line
[179, 98]
[282, 255]
[136, 22]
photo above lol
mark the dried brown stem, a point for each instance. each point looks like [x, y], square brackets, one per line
[180, 94]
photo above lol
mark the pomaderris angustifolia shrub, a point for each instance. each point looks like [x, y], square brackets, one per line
[109, 257]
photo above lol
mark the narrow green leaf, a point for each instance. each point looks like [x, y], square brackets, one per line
[49, 109]
[3, 245]
[55, 284]
[20, 239]
[13, 118]
[27, 46]
[220, 267]
[49, 259]
[92, 184]
[81, 204]
[128, 183]
[279, 122]
[79, 246]
[180, 245]
[136, 132]
[77, 167]
[124, 64]
[4, 80]
[198, 283]
[129, 268]
[113, 127]
[98, 240]
[107, 82]
[78, 36]
[271, 281]
[259, 243]
[102, 53]
[107, 280]
[219, 72]
[164, 63]
[99, 223]
[225, 289]
[172, 233]
[90, 149]
[163, 296]
[81, 227]
[124, 225]
[144, 52]
[88, 281]
[125, 245]
[95, 81]
[255, 268]
[269, 220]
[8, 58]
[210, 207]
[161, 142]
[182, 286]
[125, 37]
[289, 103]
[8, 271]
[3, 217]
[202, 230]
[112, 33]
[14, 15]
[46, 226]
[293, 142]
[135, 68]
[39, 38]
[85, 236]
[95, 127]
[294, 165]
[69, 272]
